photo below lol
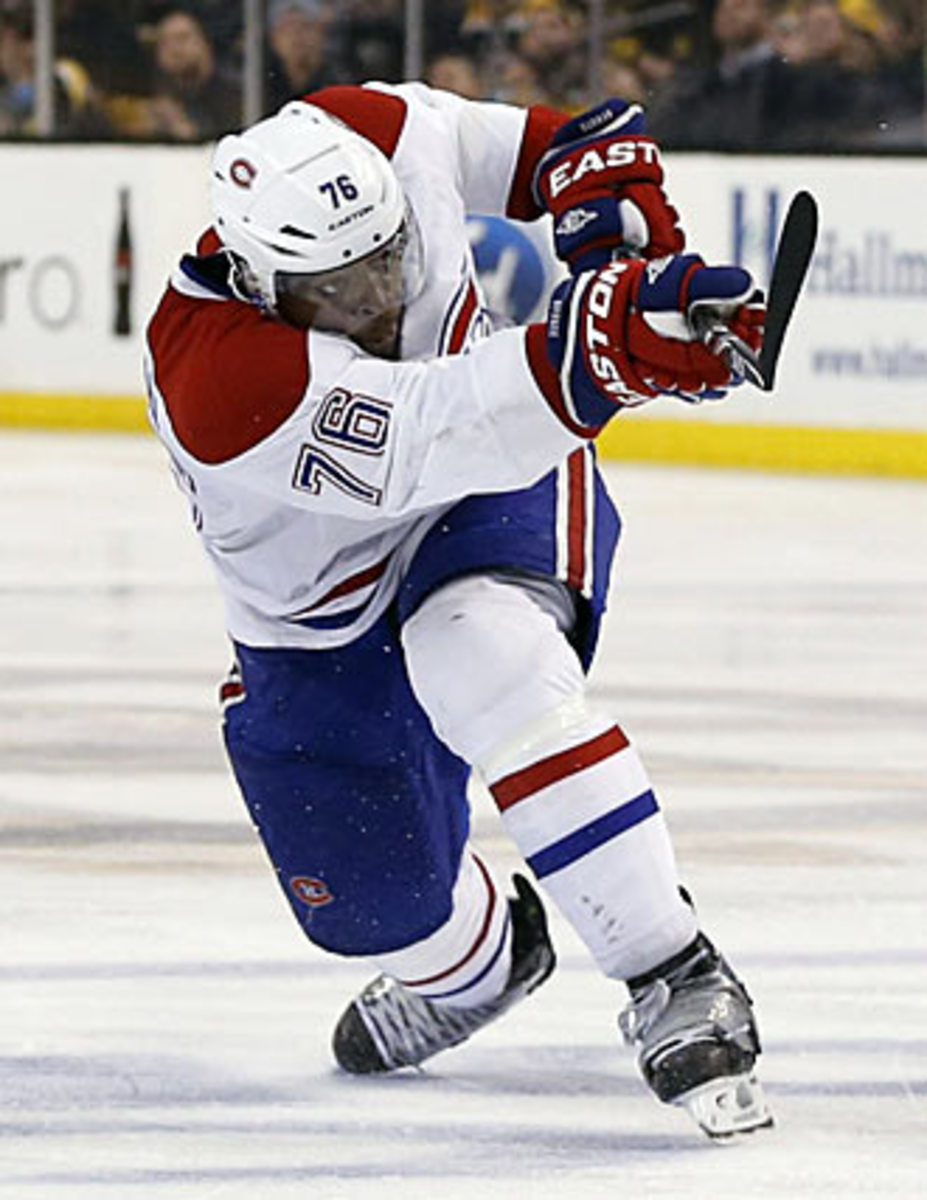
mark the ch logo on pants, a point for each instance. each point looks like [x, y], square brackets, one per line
[311, 891]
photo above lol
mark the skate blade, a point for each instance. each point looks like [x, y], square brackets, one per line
[728, 1105]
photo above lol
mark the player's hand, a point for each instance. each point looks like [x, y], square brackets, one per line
[626, 333]
[603, 182]
[665, 322]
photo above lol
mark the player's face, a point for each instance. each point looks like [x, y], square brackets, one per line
[364, 301]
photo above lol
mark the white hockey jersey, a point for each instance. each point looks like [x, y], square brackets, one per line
[314, 470]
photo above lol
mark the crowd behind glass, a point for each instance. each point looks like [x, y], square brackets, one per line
[729, 74]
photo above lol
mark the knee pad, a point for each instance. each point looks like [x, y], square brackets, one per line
[485, 660]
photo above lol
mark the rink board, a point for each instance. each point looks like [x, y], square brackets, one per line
[851, 391]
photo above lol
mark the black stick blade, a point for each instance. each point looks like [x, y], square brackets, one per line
[793, 257]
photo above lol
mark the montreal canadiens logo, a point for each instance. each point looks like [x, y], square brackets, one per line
[311, 891]
[243, 172]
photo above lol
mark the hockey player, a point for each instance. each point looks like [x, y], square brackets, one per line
[413, 543]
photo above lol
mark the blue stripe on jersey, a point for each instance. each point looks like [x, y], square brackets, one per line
[561, 854]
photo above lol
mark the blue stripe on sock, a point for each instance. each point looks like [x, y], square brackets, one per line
[595, 834]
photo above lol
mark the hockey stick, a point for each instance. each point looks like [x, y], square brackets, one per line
[790, 266]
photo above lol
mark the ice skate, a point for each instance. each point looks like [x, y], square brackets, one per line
[388, 1026]
[691, 1021]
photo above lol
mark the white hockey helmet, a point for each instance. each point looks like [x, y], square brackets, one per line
[302, 193]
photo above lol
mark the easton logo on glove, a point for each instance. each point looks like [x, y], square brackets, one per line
[602, 180]
[611, 157]
[596, 336]
[622, 335]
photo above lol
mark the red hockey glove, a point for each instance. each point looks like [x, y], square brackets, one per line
[603, 182]
[622, 335]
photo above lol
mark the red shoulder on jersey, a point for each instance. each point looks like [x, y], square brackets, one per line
[377, 115]
[381, 117]
[228, 375]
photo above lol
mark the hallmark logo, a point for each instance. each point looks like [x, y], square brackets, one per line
[755, 231]
[846, 263]
[868, 265]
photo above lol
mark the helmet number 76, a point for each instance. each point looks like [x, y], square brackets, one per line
[342, 187]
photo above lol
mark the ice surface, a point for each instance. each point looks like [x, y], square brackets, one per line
[165, 1027]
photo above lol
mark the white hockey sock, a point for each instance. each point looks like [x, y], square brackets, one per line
[576, 800]
[467, 960]
[506, 692]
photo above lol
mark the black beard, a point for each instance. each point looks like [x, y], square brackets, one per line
[382, 336]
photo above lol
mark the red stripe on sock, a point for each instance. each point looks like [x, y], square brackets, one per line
[542, 774]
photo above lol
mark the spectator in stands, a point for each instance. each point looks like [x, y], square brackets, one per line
[738, 100]
[193, 100]
[301, 58]
[621, 78]
[827, 98]
[637, 67]
[371, 35]
[77, 111]
[102, 35]
[515, 81]
[850, 88]
[444, 28]
[786, 33]
[553, 41]
[455, 73]
[657, 65]
[487, 32]
[223, 21]
[898, 28]
[828, 36]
